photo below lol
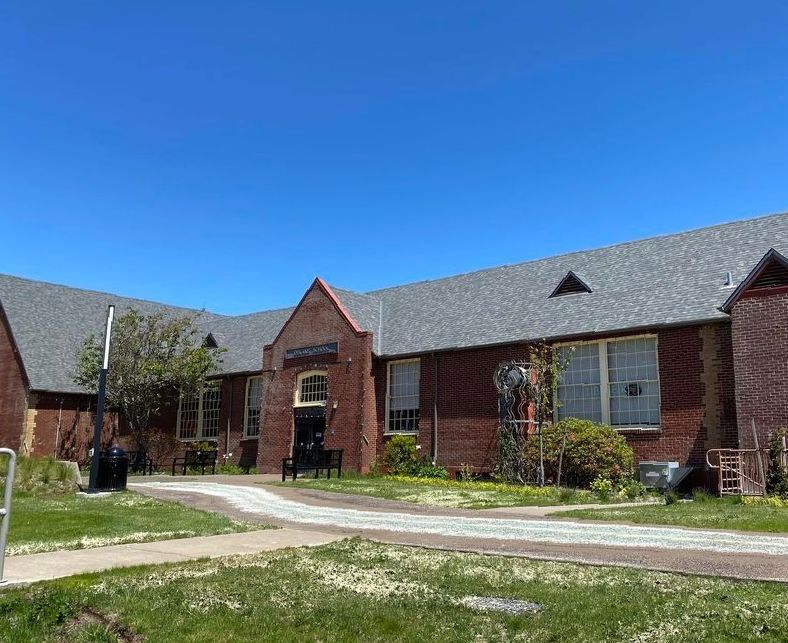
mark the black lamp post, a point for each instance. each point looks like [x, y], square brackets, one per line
[102, 392]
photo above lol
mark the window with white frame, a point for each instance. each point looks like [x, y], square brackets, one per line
[311, 389]
[402, 396]
[615, 381]
[198, 413]
[254, 399]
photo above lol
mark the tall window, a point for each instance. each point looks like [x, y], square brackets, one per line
[402, 398]
[311, 389]
[614, 381]
[198, 413]
[254, 399]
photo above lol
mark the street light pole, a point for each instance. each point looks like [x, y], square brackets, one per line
[102, 393]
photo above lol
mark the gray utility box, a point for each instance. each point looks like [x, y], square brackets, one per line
[662, 475]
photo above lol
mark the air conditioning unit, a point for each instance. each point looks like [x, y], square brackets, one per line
[662, 475]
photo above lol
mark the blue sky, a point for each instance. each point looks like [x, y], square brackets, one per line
[222, 154]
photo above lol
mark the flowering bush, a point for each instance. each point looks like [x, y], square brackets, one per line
[591, 450]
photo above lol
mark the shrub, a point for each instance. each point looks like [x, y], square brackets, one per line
[400, 455]
[631, 489]
[230, 469]
[425, 469]
[602, 487]
[777, 480]
[400, 458]
[40, 475]
[591, 450]
[671, 498]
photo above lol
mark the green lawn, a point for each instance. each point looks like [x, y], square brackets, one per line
[357, 590]
[447, 493]
[48, 522]
[714, 513]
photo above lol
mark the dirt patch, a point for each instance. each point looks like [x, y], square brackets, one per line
[89, 617]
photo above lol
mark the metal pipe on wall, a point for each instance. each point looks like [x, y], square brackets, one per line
[434, 409]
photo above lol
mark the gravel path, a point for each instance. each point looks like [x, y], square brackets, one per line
[262, 502]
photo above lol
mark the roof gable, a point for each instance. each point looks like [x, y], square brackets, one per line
[770, 272]
[327, 291]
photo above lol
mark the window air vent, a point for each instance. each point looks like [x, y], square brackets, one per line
[570, 285]
[773, 275]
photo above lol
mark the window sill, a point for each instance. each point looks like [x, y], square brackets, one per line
[639, 429]
[249, 437]
[387, 433]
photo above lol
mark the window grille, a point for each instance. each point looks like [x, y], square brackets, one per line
[254, 399]
[613, 381]
[312, 388]
[403, 396]
[198, 413]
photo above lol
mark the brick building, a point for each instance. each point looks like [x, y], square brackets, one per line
[678, 341]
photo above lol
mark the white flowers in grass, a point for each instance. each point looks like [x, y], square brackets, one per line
[89, 542]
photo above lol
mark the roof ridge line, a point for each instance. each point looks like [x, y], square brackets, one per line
[581, 252]
[110, 294]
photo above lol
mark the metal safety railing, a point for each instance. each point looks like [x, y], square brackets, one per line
[5, 510]
[741, 471]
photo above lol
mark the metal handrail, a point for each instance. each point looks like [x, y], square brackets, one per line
[5, 510]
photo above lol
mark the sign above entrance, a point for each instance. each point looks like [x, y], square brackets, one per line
[311, 351]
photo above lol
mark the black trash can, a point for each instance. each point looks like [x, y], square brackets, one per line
[113, 470]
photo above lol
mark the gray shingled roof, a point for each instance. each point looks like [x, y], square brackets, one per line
[673, 279]
[244, 336]
[50, 322]
[365, 309]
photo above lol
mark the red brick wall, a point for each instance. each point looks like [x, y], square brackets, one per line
[468, 411]
[316, 321]
[240, 450]
[75, 416]
[760, 353]
[13, 390]
[62, 425]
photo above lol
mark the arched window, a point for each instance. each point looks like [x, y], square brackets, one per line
[312, 388]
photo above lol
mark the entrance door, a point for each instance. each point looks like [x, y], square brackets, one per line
[310, 427]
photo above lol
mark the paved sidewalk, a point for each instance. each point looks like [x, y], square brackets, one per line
[57, 564]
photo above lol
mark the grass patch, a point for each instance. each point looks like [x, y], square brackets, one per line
[66, 521]
[447, 493]
[704, 512]
[357, 590]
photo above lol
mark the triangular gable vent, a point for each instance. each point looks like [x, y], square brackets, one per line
[773, 275]
[570, 285]
[210, 341]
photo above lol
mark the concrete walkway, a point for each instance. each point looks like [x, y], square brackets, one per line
[57, 564]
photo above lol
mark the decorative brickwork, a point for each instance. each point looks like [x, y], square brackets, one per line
[351, 394]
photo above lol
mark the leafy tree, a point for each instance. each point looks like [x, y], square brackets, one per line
[152, 359]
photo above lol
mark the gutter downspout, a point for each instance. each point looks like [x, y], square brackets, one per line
[434, 409]
[59, 425]
[229, 422]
